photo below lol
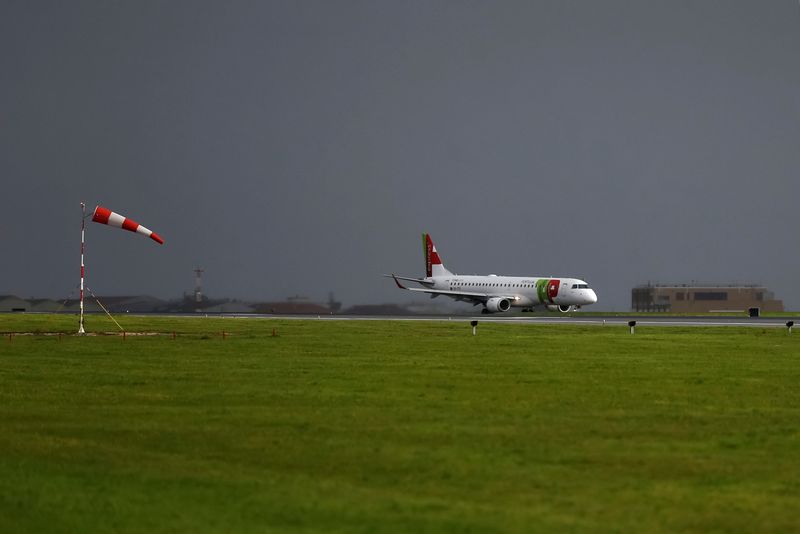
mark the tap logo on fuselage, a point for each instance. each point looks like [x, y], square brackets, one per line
[547, 290]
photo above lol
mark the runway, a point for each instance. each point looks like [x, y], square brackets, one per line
[758, 322]
[588, 319]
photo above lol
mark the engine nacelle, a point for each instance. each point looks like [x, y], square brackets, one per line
[498, 304]
[563, 308]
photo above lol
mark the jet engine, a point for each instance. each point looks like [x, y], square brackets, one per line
[498, 304]
[563, 308]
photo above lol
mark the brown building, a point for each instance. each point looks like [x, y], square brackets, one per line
[690, 298]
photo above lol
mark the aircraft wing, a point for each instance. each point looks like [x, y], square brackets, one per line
[459, 295]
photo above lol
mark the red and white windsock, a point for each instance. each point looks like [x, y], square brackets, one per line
[106, 216]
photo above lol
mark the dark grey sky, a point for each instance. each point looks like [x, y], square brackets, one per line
[301, 147]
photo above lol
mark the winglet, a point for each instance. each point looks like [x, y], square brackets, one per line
[396, 281]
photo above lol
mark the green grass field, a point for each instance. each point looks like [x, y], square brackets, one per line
[396, 426]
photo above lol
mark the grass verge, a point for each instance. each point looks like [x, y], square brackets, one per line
[364, 426]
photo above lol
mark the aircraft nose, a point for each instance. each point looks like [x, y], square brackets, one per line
[592, 296]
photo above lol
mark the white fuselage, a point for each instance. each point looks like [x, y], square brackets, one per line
[522, 291]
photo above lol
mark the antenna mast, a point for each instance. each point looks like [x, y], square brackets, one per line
[198, 287]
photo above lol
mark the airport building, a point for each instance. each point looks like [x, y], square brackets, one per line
[706, 298]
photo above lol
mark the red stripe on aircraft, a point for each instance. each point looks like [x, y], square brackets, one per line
[552, 289]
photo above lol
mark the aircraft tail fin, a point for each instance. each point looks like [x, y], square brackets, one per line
[433, 263]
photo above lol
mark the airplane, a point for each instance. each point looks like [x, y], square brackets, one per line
[498, 293]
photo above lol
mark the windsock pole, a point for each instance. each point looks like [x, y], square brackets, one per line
[83, 231]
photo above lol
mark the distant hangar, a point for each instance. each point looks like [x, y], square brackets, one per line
[703, 298]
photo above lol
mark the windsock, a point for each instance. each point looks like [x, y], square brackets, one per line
[106, 216]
